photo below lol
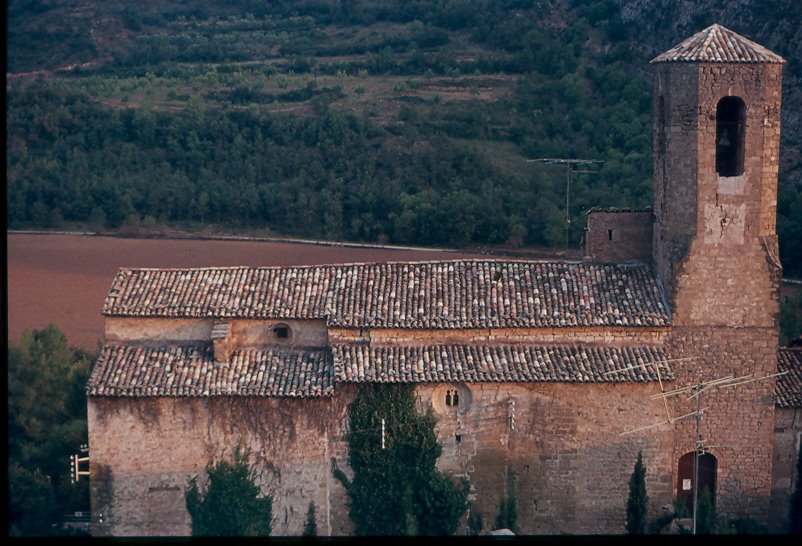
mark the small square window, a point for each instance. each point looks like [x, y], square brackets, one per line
[282, 332]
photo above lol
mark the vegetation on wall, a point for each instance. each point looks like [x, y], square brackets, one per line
[392, 451]
[402, 122]
[46, 424]
[231, 503]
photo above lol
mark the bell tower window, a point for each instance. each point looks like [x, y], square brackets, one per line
[730, 129]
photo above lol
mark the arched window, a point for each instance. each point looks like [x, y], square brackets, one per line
[730, 129]
[707, 477]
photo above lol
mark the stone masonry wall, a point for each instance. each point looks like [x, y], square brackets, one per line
[244, 333]
[738, 420]
[619, 236]
[144, 450]
[561, 447]
[675, 111]
[594, 335]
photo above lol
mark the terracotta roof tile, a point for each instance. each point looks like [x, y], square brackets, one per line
[789, 385]
[190, 371]
[717, 44]
[516, 363]
[444, 294]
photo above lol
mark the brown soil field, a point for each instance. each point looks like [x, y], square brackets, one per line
[63, 278]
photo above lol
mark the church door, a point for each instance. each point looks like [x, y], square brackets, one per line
[707, 478]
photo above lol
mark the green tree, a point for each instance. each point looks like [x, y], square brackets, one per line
[46, 424]
[507, 517]
[791, 318]
[394, 468]
[706, 517]
[795, 516]
[476, 523]
[310, 526]
[637, 500]
[231, 504]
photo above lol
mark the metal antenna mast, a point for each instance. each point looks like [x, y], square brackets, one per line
[572, 166]
[699, 446]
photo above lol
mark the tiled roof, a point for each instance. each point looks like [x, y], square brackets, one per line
[517, 363]
[443, 294]
[717, 44]
[789, 385]
[190, 371]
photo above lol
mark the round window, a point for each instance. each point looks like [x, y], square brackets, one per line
[452, 398]
[282, 332]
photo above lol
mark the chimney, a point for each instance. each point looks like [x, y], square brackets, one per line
[221, 338]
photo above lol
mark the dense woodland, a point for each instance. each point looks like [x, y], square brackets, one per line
[405, 122]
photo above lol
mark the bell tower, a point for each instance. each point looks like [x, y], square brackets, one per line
[716, 146]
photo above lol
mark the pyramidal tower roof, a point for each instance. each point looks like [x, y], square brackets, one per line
[717, 44]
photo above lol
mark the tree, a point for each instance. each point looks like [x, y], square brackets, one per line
[46, 424]
[398, 472]
[475, 523]
[310, 527]
[231, 504]
[795, 515]
[637, 500]
[507, 517]
[706, 517]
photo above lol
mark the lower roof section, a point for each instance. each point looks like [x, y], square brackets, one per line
[191, 371]
[499, 363]
[131, 370]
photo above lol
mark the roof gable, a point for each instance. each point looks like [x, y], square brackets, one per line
[717, 44]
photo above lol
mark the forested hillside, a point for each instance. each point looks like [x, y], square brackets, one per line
[394, 121]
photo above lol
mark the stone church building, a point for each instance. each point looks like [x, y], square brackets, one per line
[545, 377]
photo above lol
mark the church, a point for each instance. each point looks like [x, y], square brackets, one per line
[547, 378]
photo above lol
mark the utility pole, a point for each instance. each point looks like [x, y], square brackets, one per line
[572, 166]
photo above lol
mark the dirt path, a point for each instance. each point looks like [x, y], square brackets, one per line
[63, 278]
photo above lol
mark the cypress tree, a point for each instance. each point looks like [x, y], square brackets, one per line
[637, 500]
[795, 515]
[310, 527]
[397, 489]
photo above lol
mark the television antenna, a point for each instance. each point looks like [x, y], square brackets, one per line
[572, 166]
[696, 390]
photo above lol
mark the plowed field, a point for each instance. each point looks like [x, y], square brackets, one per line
[63, 278]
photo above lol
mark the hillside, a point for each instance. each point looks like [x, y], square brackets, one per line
[401, 122]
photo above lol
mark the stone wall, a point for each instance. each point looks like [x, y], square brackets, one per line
[606, 335]
[738, 421]
[616, 236]
[137, 487]
[691, 199]
[244, 333]
[562, 447]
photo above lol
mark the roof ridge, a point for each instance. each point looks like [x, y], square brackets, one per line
[718, 44]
